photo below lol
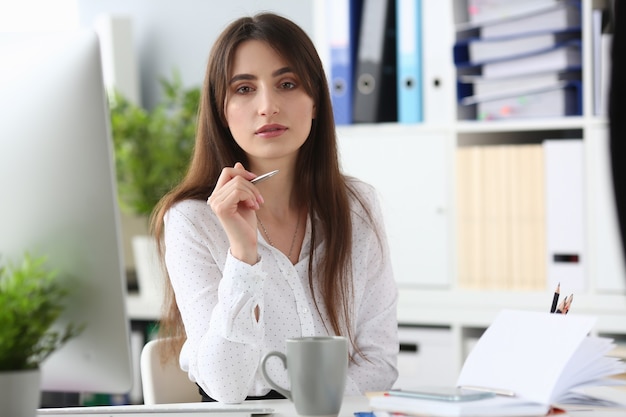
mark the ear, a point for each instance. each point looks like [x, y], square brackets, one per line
[223, 113]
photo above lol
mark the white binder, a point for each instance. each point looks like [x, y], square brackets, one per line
[438, 72]
[565, 214]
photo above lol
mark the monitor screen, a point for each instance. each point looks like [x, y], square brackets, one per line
[58, 198]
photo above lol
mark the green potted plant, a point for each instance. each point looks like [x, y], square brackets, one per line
[31, 298]
[152, 151]
[153, 147]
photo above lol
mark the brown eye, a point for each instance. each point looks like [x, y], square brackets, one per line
[244, 89]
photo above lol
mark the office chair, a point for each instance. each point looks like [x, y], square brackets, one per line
[164, 383]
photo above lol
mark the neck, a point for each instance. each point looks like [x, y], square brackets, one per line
[283, 231]
[278, 195]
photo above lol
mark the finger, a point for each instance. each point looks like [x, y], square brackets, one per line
[249, 176]
[228, 173]
[235, 194]
[232, 202]
[240, 170]
[237, 177]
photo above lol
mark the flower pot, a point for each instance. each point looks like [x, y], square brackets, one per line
[19, 392]
[150, 275]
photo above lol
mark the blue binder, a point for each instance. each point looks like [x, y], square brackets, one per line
[344, 17]
[409, 56]
[567, 56]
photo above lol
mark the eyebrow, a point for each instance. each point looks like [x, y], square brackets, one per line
[278, 72]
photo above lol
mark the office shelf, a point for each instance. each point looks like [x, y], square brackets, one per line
[414, 169]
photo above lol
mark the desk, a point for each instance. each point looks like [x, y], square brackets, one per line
[282, 408]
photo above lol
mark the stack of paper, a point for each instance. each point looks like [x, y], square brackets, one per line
[542, 359]
[518, 47]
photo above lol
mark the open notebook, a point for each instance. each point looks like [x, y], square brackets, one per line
[539, 359]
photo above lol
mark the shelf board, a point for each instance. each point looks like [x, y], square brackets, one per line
[139, 307]
[476, 126]
[467, 308]
[390, 128]
[561, 123]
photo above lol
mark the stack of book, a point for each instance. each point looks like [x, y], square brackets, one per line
[520, 216]
[501, 217]
[519, 59]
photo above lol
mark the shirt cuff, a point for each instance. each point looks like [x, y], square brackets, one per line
[240, 295]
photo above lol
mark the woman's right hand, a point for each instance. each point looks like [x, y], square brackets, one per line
[235, 201]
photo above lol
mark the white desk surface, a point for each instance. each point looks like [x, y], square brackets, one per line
[282, 408]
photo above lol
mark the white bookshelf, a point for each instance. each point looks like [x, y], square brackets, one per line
[413, 167]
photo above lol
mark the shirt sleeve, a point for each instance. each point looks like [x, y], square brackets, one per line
[217, 305]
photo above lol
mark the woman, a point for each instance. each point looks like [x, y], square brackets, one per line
[302, 253]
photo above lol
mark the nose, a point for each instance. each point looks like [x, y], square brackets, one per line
[268, 102]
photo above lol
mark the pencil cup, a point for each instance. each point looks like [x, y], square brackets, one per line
[317, 368]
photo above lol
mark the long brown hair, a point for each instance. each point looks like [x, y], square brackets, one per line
[319, 184]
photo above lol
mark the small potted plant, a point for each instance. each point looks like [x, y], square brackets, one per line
[152, 151]
[31, 299]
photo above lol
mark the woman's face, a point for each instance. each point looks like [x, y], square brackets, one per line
[267, 109]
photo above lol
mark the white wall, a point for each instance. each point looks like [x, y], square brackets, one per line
[178, 34]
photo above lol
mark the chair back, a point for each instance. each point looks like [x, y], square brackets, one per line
[164, 383]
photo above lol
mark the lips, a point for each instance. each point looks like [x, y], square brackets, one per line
[272, 130]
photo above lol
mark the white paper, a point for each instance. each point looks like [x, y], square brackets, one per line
[527, 353]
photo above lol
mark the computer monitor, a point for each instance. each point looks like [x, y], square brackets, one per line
[58, 198]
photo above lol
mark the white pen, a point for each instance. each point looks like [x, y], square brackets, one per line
[264, 176]
[257, 179]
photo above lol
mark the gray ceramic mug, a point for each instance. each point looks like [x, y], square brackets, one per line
[317, 368]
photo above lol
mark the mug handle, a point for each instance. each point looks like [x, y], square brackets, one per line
[278, 388]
